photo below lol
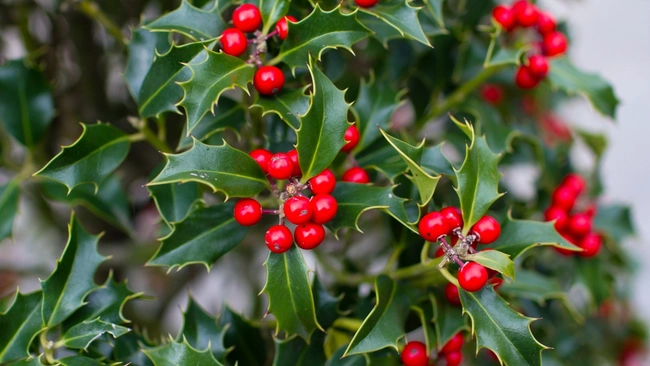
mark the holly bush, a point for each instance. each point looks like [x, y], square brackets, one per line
[409, 149]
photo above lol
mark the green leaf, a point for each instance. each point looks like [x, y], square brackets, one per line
[20, 324]
[243, 338]
[174, 353]
[227, 115]
[295, 351]
[204, 236]
[210, 78]
[175, 200]
[9, 194]
[499, 136]
[374, 107]
[128, 350]
[30, 361]
[99, 150]
[79, 361]
[316, 33]
[498, 57]
[142, 52]
[597, 142]
[426, 315]
[83, 334]
[565, 76]
[434, 162]
[201, 330]
[26, 105]
[495, 260]
[327, 306]
[381, 156]
[517, 236]
[222, 168]
[353, 360]
[290, 297]
[384, 326]
[615, 220]
[272, 11]
[320, 136]
[401, 16]
[501, 329]
[431, 18]
[193, 22]
[288, 104]
[448, 320]
[66, 288]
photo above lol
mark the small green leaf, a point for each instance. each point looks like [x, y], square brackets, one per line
[327, 306]
[175, 200]
[352, 360]
[401, 16]
[142, 53]
[615, 220]
[597, 142]
[99, 150]
[26, 105]
[495, 260]
[291, 300]
[66, 288]
[243, 338]
[83, 334]
[79, 361]
[222, 168]
[201, 330]
[174, 354]
[272, 11]
[499, 136]
[128, 350]
[227, 115]
[426, 315]
[204, 236]
[295, 351]
[20, 324]
[30, 361]
[448, 320]
[193, 22]
[288, 104]
[431, 18]
[498, 57]
[374, 107]
[9, 194]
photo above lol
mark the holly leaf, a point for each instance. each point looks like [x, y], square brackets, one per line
[79, 361]
[327, 306]
[128, 350]
[499, 328]
[499, 136]
[222, 168]
[517, 236]
[9, 194]
[295, 351]
[374, 107]
[83, 334]
[72, 280]
[243, 338]
[227, 115]
[431, 18]
[20, 324]
[204, 236]
[495, 260]
[291, 300]
[615, 220]
[142, 52]
[26, 105]
[175, 200]
[382, 157]
[175, 353]
[30, 361]
[434, 162]
[191, 21]
[201, 330]
[289, 105]
[565, 76]
[448, 320]
[316, 33]
[384, 326]
[426, 315]
[399, 15]
[354, 360]
[272, 11]
[99, 150]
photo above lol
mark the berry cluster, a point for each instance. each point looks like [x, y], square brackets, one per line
[575, 227]
[415, 353]
[554, 43]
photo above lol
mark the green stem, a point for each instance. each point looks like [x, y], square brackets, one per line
[47, 347]
[93, 11]
[150, 137]
[350, 324]
[429, 268]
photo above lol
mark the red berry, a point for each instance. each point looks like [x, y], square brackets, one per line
[591, 210]
[554, 44]
[492, 93]
[366, 3]
[487, 229]
[575, 182]
[248, 212]
[280, 166]
[439, 252]
[579, 224]
[233, 42]
[262, 158]
[282, 27]
[298, 210]
[415, 354]
[293, 155]
[355, 175]
[525, 13]
[497, 282]
[247, 18]
[472, 277]
[324, 207]
[454, 344]
[451, 293]
[545, 23]
[590, 245]
[323, 183]
[559, 215]
[564, 197]
[309, 235]
[433, 225]
[505, 17]
[453, 358]
[268, 80]
[538, 65]
[525, 78]
[453, 216]
[278, 238]
[351, 137]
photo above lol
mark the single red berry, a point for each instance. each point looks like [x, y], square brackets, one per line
[247, 18]
[451, 293]
[487, 229]
[324, 207]
[355, 175]
[505, 17]
[579, 224]
[453, 216]
[293, 155]
[525, 13]
[233, 42]
[309, 235]
[453, 358]
[554, 44]
[559, 215]
[298, 210]
[415, 354]
[282, 27]
[472, 276]
[564, 197]
[248, 212]
[538, 65]
[433, 225]
[439, 252]
[366, 3]
[590, 245]
[497, 282]
[268, 80]
[545, 23]
[278, 238]
[351, 137]
[454, 344]
[525, 78]
[262, 158]
[323, 183]
[280, 166]
[492, 93]
[575, 182]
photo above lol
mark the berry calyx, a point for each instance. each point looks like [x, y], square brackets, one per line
[298, 210]
[323, 183]
[454, 344]
[525, 78]
[247, 212]
[247, 18]
[525, 13]
[309, 235]
[545, 23]
[366, 3]
[453, 358]
[492, 93]
[415, 354]
[355, 175]
[575, 182]
[278, 238]
[280, 166]
[433, 226]
[233, 42]
[564, 197]
[554, 44]
[282, 27]
[324, 208]
[579, 224]
[538, 65]
[453, 216]
[505, 17]
[472, 277]
[351, 137]
[487, 229]
[293, 155]
[559, 215]
[268, 80]
[590, 245]
[451, 293]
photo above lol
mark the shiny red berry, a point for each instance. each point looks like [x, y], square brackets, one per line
[323, 183]
[451, 293]
[564, 197]
[268, 80]
[309, 235]
[262, 158]
[293, 155]
[278, 238]
[298, 210]
[590, 245]
[554, 44]
[538, 65]
[505, 17]
[487, 229]
[280, 166]
[575, 182]
[453, 216]
[472, 277]
[233, 42]
[415, 354]
[282, 27]
[455, 343]
[355, 175]
[559, 215]
[545, 23]
[247, 212]
[492, 93]
[351, 137]
[453, 358]
[525, 13]
[525, 78]
[247, 18]
[366, 3]
[433, 225]
[324, 208]
[579, 224]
